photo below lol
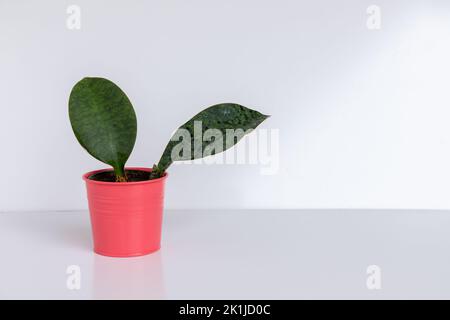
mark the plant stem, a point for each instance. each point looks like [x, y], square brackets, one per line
[120, 174]
[156, 172]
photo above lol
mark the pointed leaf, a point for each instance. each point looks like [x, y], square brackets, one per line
[221, 118]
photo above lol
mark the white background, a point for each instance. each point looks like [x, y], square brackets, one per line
[363, 115]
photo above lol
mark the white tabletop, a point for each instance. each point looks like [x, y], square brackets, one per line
[259, 254]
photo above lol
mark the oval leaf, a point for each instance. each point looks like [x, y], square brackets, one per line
[221, 118]
[103, 121]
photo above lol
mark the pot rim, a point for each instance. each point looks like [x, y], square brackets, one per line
[90, 173]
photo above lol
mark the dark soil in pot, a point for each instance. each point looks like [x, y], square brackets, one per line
[132, 176]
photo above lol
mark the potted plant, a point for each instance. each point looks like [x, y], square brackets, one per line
[126, 204]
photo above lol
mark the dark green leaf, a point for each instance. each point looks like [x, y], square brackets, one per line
[103, 121]
[220, 117]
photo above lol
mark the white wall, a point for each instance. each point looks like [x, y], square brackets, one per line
[363, 115]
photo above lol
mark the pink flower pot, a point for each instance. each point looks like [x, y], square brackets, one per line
[126, 217]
